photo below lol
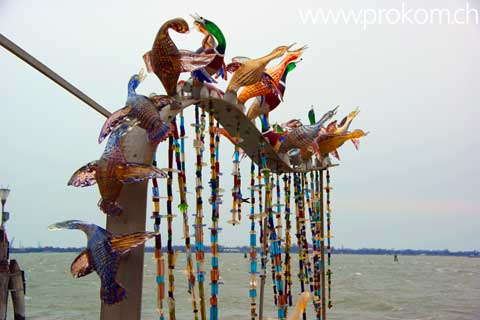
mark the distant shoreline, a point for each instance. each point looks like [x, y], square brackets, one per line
[363, 251]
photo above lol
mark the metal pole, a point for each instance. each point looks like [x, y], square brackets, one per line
[133, 198]
[49, 73]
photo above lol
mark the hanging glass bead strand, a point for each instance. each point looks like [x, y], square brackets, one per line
[310, 196]
[179, 144]
[215, 202]
[199, 225]
[288, 240]
[328, 213]
[253, 247]
[298, 209]
[236, 179]
[158, 254]
[263, 243]
[171, 255]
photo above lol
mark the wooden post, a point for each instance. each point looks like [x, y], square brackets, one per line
[4, 274]
[17, 290]
[133, 198]
[322, 246]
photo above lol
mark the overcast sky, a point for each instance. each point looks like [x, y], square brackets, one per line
[413, 183]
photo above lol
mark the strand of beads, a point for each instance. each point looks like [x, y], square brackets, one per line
[329, 252]
[215, 202]
[282, 294]
[253, 247]
[160, 262]
[198, 226]
[179, 143]
[236, 180]
[269, 226]
[171, 256]
[263, 235]
[298, 209]
[275, 251]
[313, 214]
[322, 246]
[303, 220]
[288, 240]
[309, 271]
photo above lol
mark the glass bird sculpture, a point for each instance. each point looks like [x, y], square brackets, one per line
[277, 72]
[251, 71]
[304, 135]
[213, 43]
[102, 255]
[328, 143]
[167, 62]
[111, 171]
[268, 102]
[142, 111]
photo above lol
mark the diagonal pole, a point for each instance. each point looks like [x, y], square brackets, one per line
[52, 75]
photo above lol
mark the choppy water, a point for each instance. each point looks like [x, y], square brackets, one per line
[364, 287]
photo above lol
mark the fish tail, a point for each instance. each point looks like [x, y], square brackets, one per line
[113, 293]
[110, 207]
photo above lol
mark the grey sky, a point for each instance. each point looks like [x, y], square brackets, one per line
[412, 184]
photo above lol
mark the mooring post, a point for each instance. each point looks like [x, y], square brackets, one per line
[4, 274]
[133, 199]
[322, 245]
[17, 289]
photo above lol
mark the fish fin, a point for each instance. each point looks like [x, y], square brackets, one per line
[85, 176]
[123, 243]
[112, 293]
[82, 265]
[136, 172]
[356, 143]
[191, 61]
[335, 154]
[147, 58]
[159, 132]
[113, 120]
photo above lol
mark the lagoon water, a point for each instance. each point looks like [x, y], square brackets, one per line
[364, 287]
